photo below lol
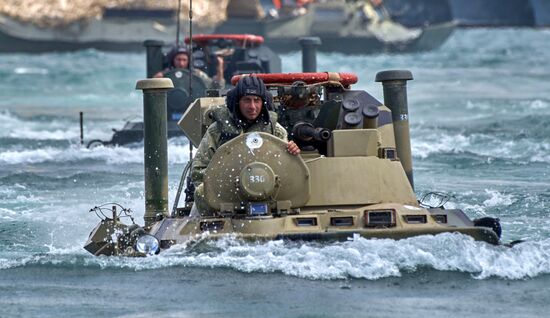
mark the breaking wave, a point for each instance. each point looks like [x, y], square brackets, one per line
[50, 129]
[177, 153]
[31, 71]
[433, 142]
[356, 258]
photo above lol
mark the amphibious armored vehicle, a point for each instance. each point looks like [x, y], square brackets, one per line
[242, 53]
[354, 176]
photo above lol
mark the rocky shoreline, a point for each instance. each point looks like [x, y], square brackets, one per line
[59, 13]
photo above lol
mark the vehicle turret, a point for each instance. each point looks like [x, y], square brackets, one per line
[334, 126]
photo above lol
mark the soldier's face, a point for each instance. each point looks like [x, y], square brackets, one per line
[181, 61]
[250, 106]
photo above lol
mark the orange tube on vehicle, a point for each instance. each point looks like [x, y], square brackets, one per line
[309, 78]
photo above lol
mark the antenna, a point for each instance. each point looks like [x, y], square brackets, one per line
[190, 64]
[178, 24]
[190, 47]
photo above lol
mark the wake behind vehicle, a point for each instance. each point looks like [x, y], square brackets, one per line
[354, 176]
[241, 53]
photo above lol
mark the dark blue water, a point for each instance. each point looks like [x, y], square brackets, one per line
[480, 125]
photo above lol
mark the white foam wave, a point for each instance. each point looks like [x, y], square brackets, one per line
[444, 143]
[498, 199]
[373, 259]
[357, 258]
[31, 70]
[485, 109]
[58, 129]
[541, 152]
[6, 214]
[539, 104]
[111, 155]
[494, 198]
[434, 142]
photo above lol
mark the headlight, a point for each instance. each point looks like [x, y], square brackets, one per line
[147, 244]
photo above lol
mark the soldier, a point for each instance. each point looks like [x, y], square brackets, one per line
[374, 11]
[246, 111]
[179, 57]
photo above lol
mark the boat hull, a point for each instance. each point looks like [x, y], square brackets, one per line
[427, 38]
[113, 34]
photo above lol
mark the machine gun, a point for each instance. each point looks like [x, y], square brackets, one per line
[309, 137]
[306, 132]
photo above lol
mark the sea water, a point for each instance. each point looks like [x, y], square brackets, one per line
[480, 126]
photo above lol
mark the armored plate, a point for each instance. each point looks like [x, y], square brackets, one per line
[357, 181]
[272, 173]
[179, 98]
[196, 119]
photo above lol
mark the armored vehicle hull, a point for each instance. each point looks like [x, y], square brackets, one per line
[313, 225]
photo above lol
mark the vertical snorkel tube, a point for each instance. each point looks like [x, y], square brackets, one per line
[178, 24]
[309, 53]
[394, 83]
[155, 147]
[191, 48]
[154, 56]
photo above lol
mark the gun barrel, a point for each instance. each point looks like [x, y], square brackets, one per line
[306, 132]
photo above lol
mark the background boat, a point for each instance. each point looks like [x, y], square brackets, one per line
[117, 30]
[342, 27]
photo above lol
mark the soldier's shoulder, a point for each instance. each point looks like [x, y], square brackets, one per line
[200, 73]
[220, 113]
[280, 131]
[214, 128]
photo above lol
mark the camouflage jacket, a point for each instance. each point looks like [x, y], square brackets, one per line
[222, 130]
